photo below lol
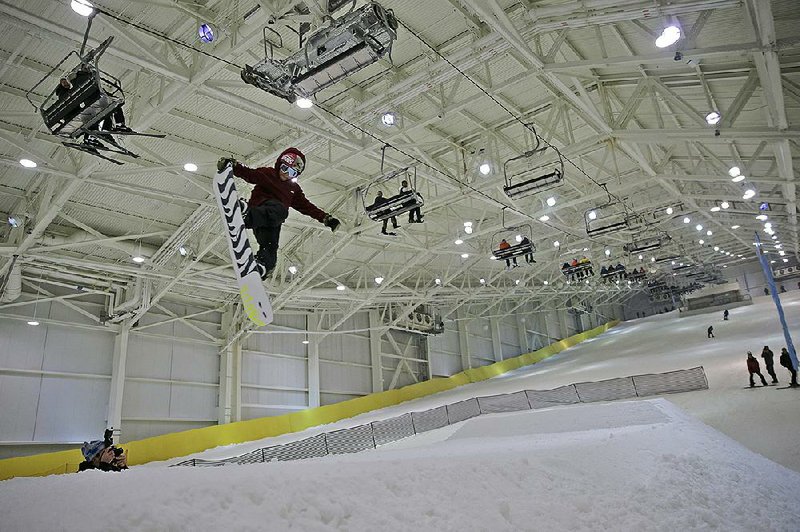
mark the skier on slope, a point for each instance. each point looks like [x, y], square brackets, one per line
[276, 190]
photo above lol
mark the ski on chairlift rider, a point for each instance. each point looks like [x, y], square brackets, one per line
[276, 190]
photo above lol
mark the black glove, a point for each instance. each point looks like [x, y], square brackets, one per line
[223, 162]
[330, 221]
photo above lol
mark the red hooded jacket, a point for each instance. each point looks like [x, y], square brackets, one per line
[269, 186]
[752, 365]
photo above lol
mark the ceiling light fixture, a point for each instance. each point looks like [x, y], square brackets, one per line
[686, 220]
[468, 227]
[698, 227]
[437, 281]
[182, 250]
[12, 221]
[709, 232]
[724, 204]
[138, 259]
[378, 280]
[458, 242]
[669, 210]
[544, 218]
[556, 243]
[735, 226]
[292, 269]
[734, 171]
[82, 7]
[485, 168]
[749, 193]
[305, 342]
[341, 287]
[190, 167]
[668, 37]
[738, 178]
[27, 163]
[551, 201]
[608, 253]
[713, 118]
[206, 33]
[482, 280]
[715, 209]
[304, 103]
[762, 217]
[465, 255]
[592, 215]
[389, 119]
[701, 241]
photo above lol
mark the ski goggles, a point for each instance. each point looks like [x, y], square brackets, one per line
[289, 170]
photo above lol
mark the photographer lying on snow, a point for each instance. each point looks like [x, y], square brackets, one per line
[103, 455]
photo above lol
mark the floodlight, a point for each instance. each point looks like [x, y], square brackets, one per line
[206, 33]
[668, 37]
[82, 7]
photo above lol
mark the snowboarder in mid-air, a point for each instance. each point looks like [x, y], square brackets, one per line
[276, 190]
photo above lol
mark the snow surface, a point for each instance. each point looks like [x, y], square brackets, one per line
[634, 465]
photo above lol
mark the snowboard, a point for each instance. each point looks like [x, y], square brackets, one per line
[247, 270]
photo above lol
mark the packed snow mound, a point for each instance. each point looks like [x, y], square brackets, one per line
[616, 466]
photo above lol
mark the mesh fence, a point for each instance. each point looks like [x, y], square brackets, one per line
[372, 435]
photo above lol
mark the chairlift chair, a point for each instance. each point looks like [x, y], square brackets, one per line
[519, 185]
[351, 42]
[96, 97]
[395, 205]
[608, 218]
[520, 249]
[642, 243]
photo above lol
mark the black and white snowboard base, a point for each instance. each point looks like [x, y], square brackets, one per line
[247, 270]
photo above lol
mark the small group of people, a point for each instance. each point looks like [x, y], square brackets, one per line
[577, 268]
[414, 215]
[754, 368]
[103, 455]
[611, 272]
[525, 248]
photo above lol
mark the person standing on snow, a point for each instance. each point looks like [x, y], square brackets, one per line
[754, 369]
[711, 332]
[786, 362]
[276, 190]
[725, 315]
[767, 355]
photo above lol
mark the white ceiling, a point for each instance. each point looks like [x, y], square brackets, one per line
[585, 74]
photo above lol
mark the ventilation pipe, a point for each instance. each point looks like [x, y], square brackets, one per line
[133, 302]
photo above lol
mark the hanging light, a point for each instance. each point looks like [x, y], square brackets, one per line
[468, 227]
[465, 255]
[592, 215]
[27, 163]
[749, 193]
[669, 210]
[709, 233]
[698, 227]
[183, 251]
[687, 220]
[482, 280]
[734, 171]
[715, 209]
[378, 280]
[304, 103]
[82, 7]
[293, 269]
[735, 226]
[459, 242]
[546, 283]
[389, 119]
[608, 253]
[713, 118]
[762, 217]
[341, 287]
[12, 221]
[556, 243]
[551, 201]
[668, 37]
[543, 218]
[190, 167]
[724, 204]
[738, 178]
[206, 33]
[485, 168]
[305, 342]
[437, 281]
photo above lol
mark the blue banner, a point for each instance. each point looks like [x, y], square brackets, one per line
[776, 298]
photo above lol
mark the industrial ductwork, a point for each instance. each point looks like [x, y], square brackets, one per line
[12, 284]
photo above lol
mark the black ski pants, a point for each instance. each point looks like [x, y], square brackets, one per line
[763, 380]
[771, 371]
[386, 223]
[265, 220]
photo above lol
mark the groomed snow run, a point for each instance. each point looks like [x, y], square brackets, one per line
[634, 465]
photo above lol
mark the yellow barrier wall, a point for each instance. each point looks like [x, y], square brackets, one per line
[194, 441]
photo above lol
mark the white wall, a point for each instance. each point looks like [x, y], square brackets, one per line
[55, 379]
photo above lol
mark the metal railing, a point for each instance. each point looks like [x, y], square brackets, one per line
[372, 435]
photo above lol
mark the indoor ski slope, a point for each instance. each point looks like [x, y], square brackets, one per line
[633, 465]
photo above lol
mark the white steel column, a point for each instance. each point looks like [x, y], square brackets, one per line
[497, 345]
[463, 341]
[118, 380]
[312, 349]
[375, 351]
[236, 381]
[522, 333]
[225, 385]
